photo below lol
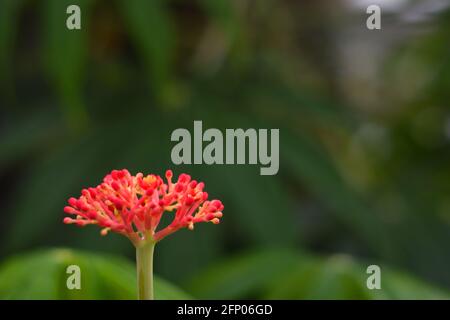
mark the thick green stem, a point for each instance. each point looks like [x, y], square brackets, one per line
[144, 264]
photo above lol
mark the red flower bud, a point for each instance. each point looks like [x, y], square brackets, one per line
[115, 186]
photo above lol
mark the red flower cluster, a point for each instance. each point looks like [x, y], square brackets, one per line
[133, 205]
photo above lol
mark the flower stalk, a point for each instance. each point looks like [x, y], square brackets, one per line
[144, 268]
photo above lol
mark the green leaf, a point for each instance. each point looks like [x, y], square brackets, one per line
[287, 274]
[151, 29]
[402, 286]
[309, 162]
[200, 247]
[336, 277]
[9, 12]
[258, 207]
[222, 12]
[42, 275]
[44, 192]
[243, 276]
[65, 56]
[23, 138]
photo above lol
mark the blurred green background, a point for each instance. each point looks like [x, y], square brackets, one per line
[364, 124]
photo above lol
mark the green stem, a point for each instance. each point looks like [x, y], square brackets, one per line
[144, 264]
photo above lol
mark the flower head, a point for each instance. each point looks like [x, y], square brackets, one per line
[133, 205]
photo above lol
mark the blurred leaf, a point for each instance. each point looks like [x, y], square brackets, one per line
[44, 191]
[9, 12]
[402, 286]
[26, 136]
[151, 29]
[65, 56]
[309, 163]
[243, 276]
[340, 277]
[42, 275]
[29, 277]
[334, 278]
[273, 99]
[199, 248]
[284, 274]
[223, 13]
[258, 207]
